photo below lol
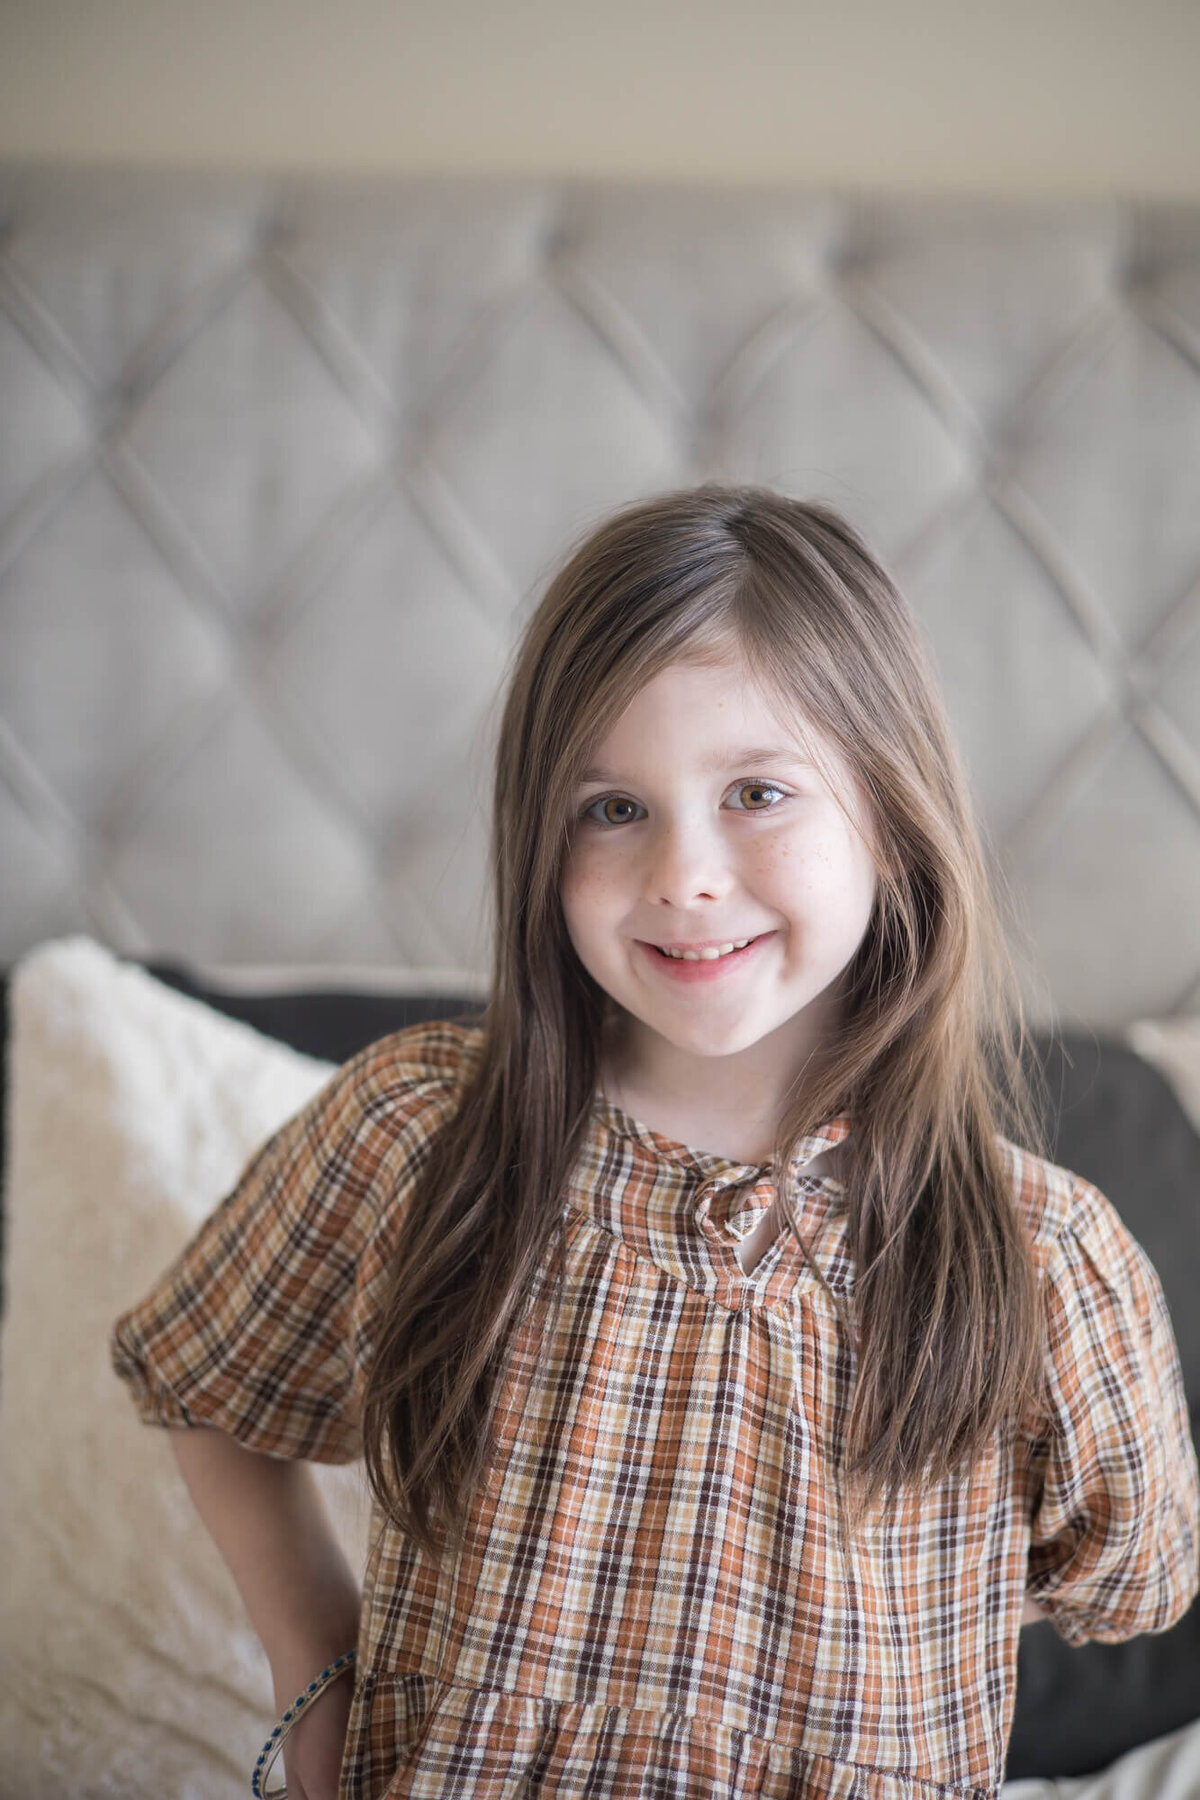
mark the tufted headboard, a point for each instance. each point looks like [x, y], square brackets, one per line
[285, 462]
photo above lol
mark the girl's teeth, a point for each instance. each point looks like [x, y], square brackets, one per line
[706, 955]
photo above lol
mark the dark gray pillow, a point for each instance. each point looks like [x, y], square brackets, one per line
[1115, 1120]
[329, 1023]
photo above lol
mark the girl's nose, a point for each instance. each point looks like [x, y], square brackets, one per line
[685, 863]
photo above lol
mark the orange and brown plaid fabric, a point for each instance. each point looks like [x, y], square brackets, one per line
[654, 1597]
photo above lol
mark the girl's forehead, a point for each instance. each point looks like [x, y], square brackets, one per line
[714, 697]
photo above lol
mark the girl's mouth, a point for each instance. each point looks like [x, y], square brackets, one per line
[708, 968]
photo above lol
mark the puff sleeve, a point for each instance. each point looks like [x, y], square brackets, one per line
[260, 1325]
[1116, 1522]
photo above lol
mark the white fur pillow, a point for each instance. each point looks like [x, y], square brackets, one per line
[127, 1665]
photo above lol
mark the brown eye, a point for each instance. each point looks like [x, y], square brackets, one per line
[756, 796]
[611, 814]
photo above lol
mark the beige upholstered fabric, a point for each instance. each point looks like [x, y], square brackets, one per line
[286, 461]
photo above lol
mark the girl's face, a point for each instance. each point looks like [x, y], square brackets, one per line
[701, 823]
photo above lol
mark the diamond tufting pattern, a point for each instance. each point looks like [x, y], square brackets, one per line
[285, 462]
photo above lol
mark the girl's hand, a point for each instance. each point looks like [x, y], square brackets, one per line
[312, 1755]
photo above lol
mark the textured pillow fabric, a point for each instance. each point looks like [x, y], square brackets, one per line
[127, 1665]
[331, 1018]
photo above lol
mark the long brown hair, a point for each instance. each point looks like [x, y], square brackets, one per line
[947, 1326]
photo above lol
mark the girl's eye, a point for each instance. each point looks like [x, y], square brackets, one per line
[755, 794]
[606, 801]
[758, 792]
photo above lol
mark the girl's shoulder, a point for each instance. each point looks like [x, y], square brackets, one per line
[417, 1071]
[435, 1049]
[1042, 1191]
[1055, 1204]
[438, 1053]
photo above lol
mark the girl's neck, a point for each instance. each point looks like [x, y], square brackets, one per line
[738, 1140]
[726, 1106]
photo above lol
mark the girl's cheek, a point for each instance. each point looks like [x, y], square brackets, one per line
[595, 857]
[776, 859]
[585, 876]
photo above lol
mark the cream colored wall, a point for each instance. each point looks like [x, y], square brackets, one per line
[1031, 95]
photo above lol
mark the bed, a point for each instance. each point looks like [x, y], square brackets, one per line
[284, 463]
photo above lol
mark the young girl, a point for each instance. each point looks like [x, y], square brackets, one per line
[731, 1370]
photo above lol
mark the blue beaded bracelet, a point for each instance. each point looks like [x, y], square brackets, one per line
[275, 1742]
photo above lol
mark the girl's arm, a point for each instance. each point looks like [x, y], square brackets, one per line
[267, 1519]
[1031, 1612]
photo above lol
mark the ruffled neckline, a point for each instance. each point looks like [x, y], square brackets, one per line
[709, 1162]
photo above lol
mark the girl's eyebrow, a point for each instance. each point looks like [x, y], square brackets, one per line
[724, 761]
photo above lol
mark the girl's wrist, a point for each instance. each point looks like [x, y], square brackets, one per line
[296, 1707]
[293, 1675]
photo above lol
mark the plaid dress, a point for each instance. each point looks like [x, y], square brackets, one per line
[654, 1597]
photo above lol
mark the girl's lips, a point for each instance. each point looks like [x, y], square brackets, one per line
[676, 969]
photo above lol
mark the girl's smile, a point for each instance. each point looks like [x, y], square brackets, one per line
[711, 962]
[747, 863]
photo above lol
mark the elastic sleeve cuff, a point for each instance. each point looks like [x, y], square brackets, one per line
[153, 1403]
[1069, 1625]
